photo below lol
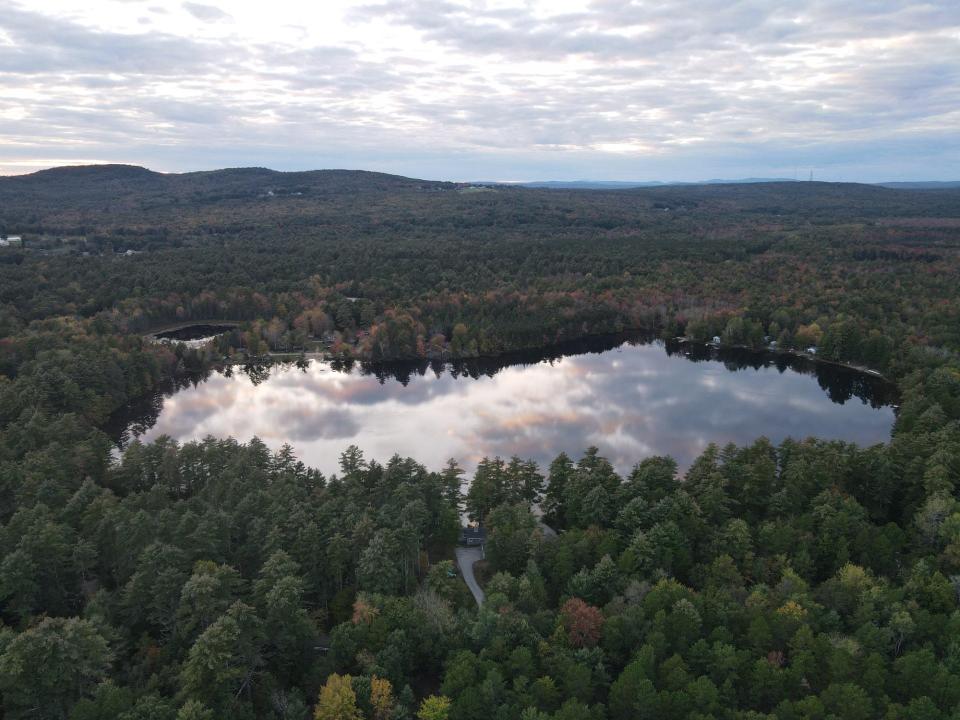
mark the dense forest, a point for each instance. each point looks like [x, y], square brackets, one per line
[814, 579]
[393, 268]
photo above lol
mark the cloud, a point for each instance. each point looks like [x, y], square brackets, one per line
[41, 44]
[208, 13]
[679, 89]
[301, 424]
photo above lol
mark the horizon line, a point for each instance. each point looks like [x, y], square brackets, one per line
[749, 179]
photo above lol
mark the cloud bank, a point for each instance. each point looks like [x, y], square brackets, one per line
[525, 89]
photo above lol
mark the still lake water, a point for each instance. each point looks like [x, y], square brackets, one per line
[631, 397]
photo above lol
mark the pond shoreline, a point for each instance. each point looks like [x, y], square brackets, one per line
[551, 349]
[790, 353]
[527, 354]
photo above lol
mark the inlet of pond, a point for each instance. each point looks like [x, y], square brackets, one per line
[632, 397]
[193, 334]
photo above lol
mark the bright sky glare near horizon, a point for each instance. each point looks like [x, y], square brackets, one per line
[851, 90]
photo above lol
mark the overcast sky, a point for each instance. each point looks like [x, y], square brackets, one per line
[498, 90]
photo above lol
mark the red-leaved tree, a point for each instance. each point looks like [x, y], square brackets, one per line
[582, 622]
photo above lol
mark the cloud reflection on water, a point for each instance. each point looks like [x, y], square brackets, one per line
[632, 402]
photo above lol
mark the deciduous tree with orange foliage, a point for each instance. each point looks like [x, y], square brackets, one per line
[381, 698]
[582, 622]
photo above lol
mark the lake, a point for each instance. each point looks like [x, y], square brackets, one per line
[632, 397]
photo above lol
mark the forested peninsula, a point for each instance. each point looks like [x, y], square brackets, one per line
[813, 579]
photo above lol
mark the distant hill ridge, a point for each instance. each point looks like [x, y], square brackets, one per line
[136, 172]
[110, 182]
[923, 185]
[627, 185]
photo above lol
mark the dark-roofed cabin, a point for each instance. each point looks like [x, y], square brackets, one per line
[473, 536]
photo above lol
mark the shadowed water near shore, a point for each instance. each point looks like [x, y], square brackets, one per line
[630, 395]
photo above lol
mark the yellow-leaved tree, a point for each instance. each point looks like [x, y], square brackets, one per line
[435, 707]
[381, 698]
[337, 700]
